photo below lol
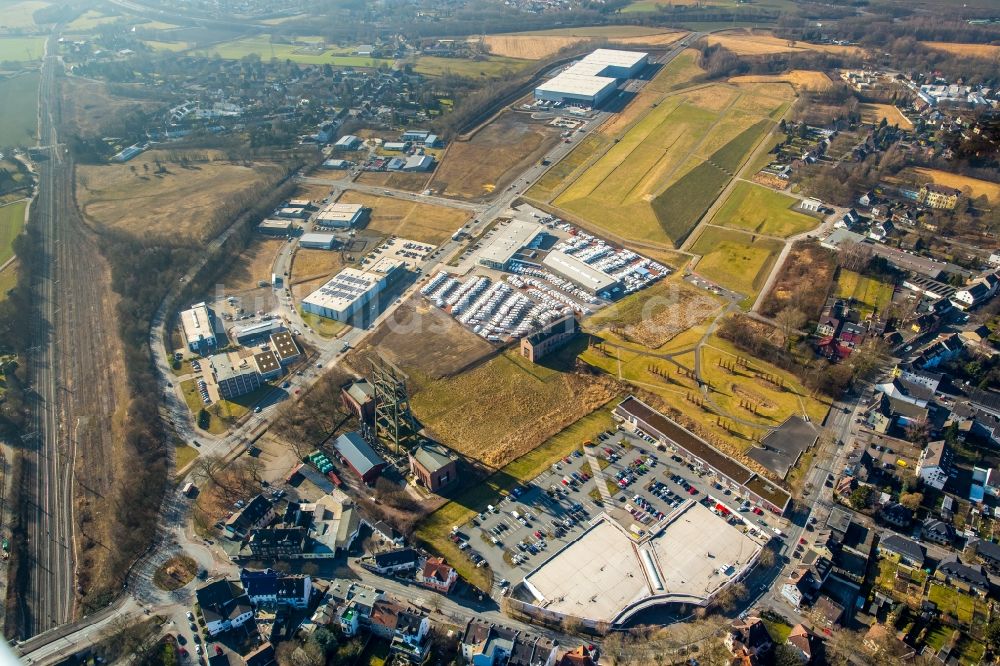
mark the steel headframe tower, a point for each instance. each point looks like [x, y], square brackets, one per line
[393, 418]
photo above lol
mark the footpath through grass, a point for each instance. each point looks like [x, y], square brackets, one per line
[434, 530]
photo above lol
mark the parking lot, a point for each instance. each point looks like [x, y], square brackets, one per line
[539, 518]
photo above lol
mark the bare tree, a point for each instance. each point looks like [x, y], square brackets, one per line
[790, 320]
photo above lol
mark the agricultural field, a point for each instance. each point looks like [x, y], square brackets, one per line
[803, 79]
[19, 121]
[135, 198]
[493, 157]
[978, 188]
[11, 224]
[761, 210]
[21, 49]
[869, 293]
[658, 179]
[157, 45]
[91, 19]
[529, 47]
[565, 169]
[874, 113]
[492, 67]
[679, 72]
[544, 43]
[804, 281]
[527, 404]
[19, 15]
[423, 222]
[986, 51]
[735, 260]
[751, 43]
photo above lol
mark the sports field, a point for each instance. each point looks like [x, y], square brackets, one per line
[415, 221]
[19, 119]
[21, 49]
[977, 187]
[671, 164]
[867, 292]
[11, 224]
[735, 260]
[754, 208]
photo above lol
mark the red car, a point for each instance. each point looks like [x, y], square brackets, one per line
[183, 652]
[693, 490]
[757, 510]
[802, 541]
[538, 535]
[218, 650]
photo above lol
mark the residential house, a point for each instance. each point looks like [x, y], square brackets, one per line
[405, 627]
[937, 531]
[965, 577]
[902, 550]
[827, 611]
[988, 553]
[934, 466]
[393, 562]
[262, 655]
[977, 292]
[487, 644]
[437, 575]
[939, 196]
[272, 589]
[804, 582]
[277, 542]
[896, 514]
[578, 656]
[223, 605]
[258, 513]
[803, 643]
[827, 327]
[749, 635]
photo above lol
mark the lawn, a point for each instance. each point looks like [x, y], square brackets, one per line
[494, 66]
[21, 49]
[193, 399]
[184, 455]
[735, 260]
[11, 224]
[761, 210]
[869, 293]
[19, 121]
[557, 175]
[960, 606]
[669, 165]
[435, 528]
[328, 328]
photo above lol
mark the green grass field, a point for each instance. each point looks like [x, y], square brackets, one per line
[658, 179]
[547, 185]
[20, 14]
[679, 72]
[735, 260]
[21, 49]
[166, 46]
[184, 456]
[867, 292]
[328, 328]
[19, 120]
[8, 280]
[300, 52]
[955, 603]
[754, 208]
[91, 19]
[11, 224]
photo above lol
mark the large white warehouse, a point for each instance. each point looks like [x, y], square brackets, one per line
[594, 78]
[351, 289]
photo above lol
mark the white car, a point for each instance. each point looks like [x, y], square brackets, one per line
[190, 616]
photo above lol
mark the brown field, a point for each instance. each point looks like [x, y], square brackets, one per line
[660, 39]
[408, 219]
[492, 158]
[425, 341]
[987, 51]
[88, 108]
[529, 47]
[978, 187]
[412, 182]
[313, 192]
[800, 78]
[253, 265]
[874, 113]
[803, 282]
[180, 203]
[743, 42]
[504, 408]
[308, 265]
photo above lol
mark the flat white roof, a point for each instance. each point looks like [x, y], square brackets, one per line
[569, 83]
[197, 324]
[508, 240]
[275, 224]
[582, 273]
[350, 284]
[607, 570]
[616, 57]
[316, 238]
[339, 212]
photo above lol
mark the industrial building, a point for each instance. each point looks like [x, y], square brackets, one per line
[593, 79]
[284, 347]
[433, 465]
[341, 215]
[235, 378]
[548, 339]
[350, 290]
[276, 227]
[507, 242]
[199, 330]
[359, 399]
[359, 456]
[268, 365]
[348, 142]
[581, 273]
[339, 165]
[258, 330]
[418, 163]
[314, 241]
